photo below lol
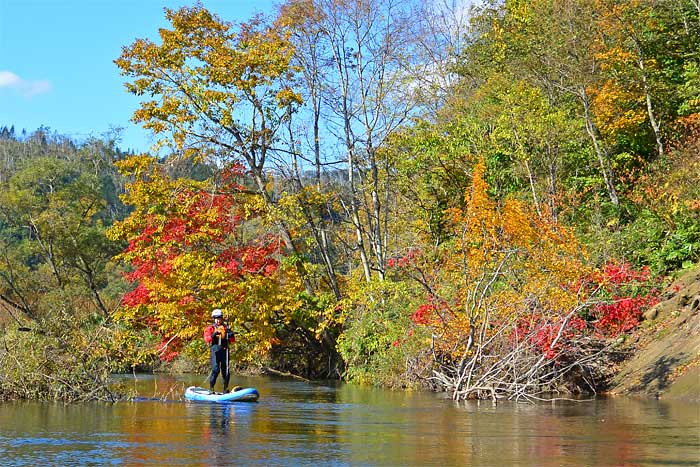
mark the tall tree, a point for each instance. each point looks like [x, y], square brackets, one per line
[355, 54]
[218, 91]
[190, 252]
[643, 47]
[53, 240]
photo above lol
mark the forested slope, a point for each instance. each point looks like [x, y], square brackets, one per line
[479, 201]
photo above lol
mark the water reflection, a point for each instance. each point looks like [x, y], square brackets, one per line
[300, 424]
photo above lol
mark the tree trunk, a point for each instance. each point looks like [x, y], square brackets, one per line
[354, 208]
[650, 109]
[48, 252]
[603, 156]
[531, 178]
[285, 234]
[552, 186]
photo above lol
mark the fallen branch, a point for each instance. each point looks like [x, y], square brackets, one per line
[284, 373]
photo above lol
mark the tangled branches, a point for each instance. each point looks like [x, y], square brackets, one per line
[543, 363]
[47, 366]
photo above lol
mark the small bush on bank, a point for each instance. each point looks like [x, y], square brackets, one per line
[380, 340]
[69, 366]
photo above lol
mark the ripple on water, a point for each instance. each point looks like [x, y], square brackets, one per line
[298, 424]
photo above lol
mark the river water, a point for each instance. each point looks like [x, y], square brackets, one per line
[296, 424]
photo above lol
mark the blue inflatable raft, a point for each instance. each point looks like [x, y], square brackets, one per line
[194, 393]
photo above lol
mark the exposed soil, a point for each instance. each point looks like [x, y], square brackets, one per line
[665, 352]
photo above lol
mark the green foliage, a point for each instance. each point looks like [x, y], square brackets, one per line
[663, 247]
[51, 210]
[379, 340]
[308, 324]
[57, 285]
[432, 163]
[663, 230]
[690, 90]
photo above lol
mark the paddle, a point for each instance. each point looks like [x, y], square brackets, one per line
[228, 343]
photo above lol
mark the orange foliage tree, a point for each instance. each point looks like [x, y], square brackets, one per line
[503, 298]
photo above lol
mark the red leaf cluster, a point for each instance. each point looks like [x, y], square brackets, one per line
[629, 292]
[623, 314]
[206, 224]
[403, 261]
[251, 259]
[168, 349]
[139, 296]
[623, 274]
[423, 314]
[542, 333]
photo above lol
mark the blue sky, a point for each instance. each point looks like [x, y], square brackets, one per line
[56, 61]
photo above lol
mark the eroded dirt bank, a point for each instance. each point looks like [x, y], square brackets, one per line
[666, 349]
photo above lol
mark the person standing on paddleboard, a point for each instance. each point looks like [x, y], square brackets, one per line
[218, 336]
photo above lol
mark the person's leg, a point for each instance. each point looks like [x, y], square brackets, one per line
[222, 360]
[214, 371]
[224, 371]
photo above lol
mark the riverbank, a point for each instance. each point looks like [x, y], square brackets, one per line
[665, 360]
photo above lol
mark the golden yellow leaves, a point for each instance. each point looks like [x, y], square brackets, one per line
[618, 110]
[286, 97]
[205, 77]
